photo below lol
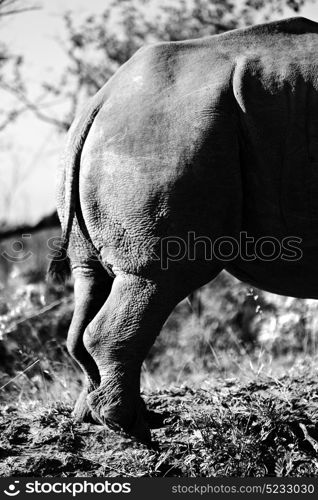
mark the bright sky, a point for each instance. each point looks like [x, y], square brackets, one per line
[29, 151]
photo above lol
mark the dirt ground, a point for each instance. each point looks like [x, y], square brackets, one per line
[266, 427]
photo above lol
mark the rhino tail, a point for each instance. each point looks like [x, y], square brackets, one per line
[60, 267]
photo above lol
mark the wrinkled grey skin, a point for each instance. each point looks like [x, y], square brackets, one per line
[215, 136]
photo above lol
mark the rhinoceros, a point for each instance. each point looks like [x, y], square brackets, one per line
[214, 137]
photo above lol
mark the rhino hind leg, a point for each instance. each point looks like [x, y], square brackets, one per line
[91, 290]
[119, 339]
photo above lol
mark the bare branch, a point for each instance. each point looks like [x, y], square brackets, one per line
[11, 117]
[17, 11]
[61, 124]
[5, 4]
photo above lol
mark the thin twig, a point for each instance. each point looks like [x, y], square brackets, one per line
[19, 374]
[34, 108]
[44, 310]
[17, 11]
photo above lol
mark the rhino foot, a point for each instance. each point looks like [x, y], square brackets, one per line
[116, 418]
[82, 412]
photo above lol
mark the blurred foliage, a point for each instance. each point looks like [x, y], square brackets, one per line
[237, 326]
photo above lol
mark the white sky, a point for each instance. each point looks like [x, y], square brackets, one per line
[29, 151]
